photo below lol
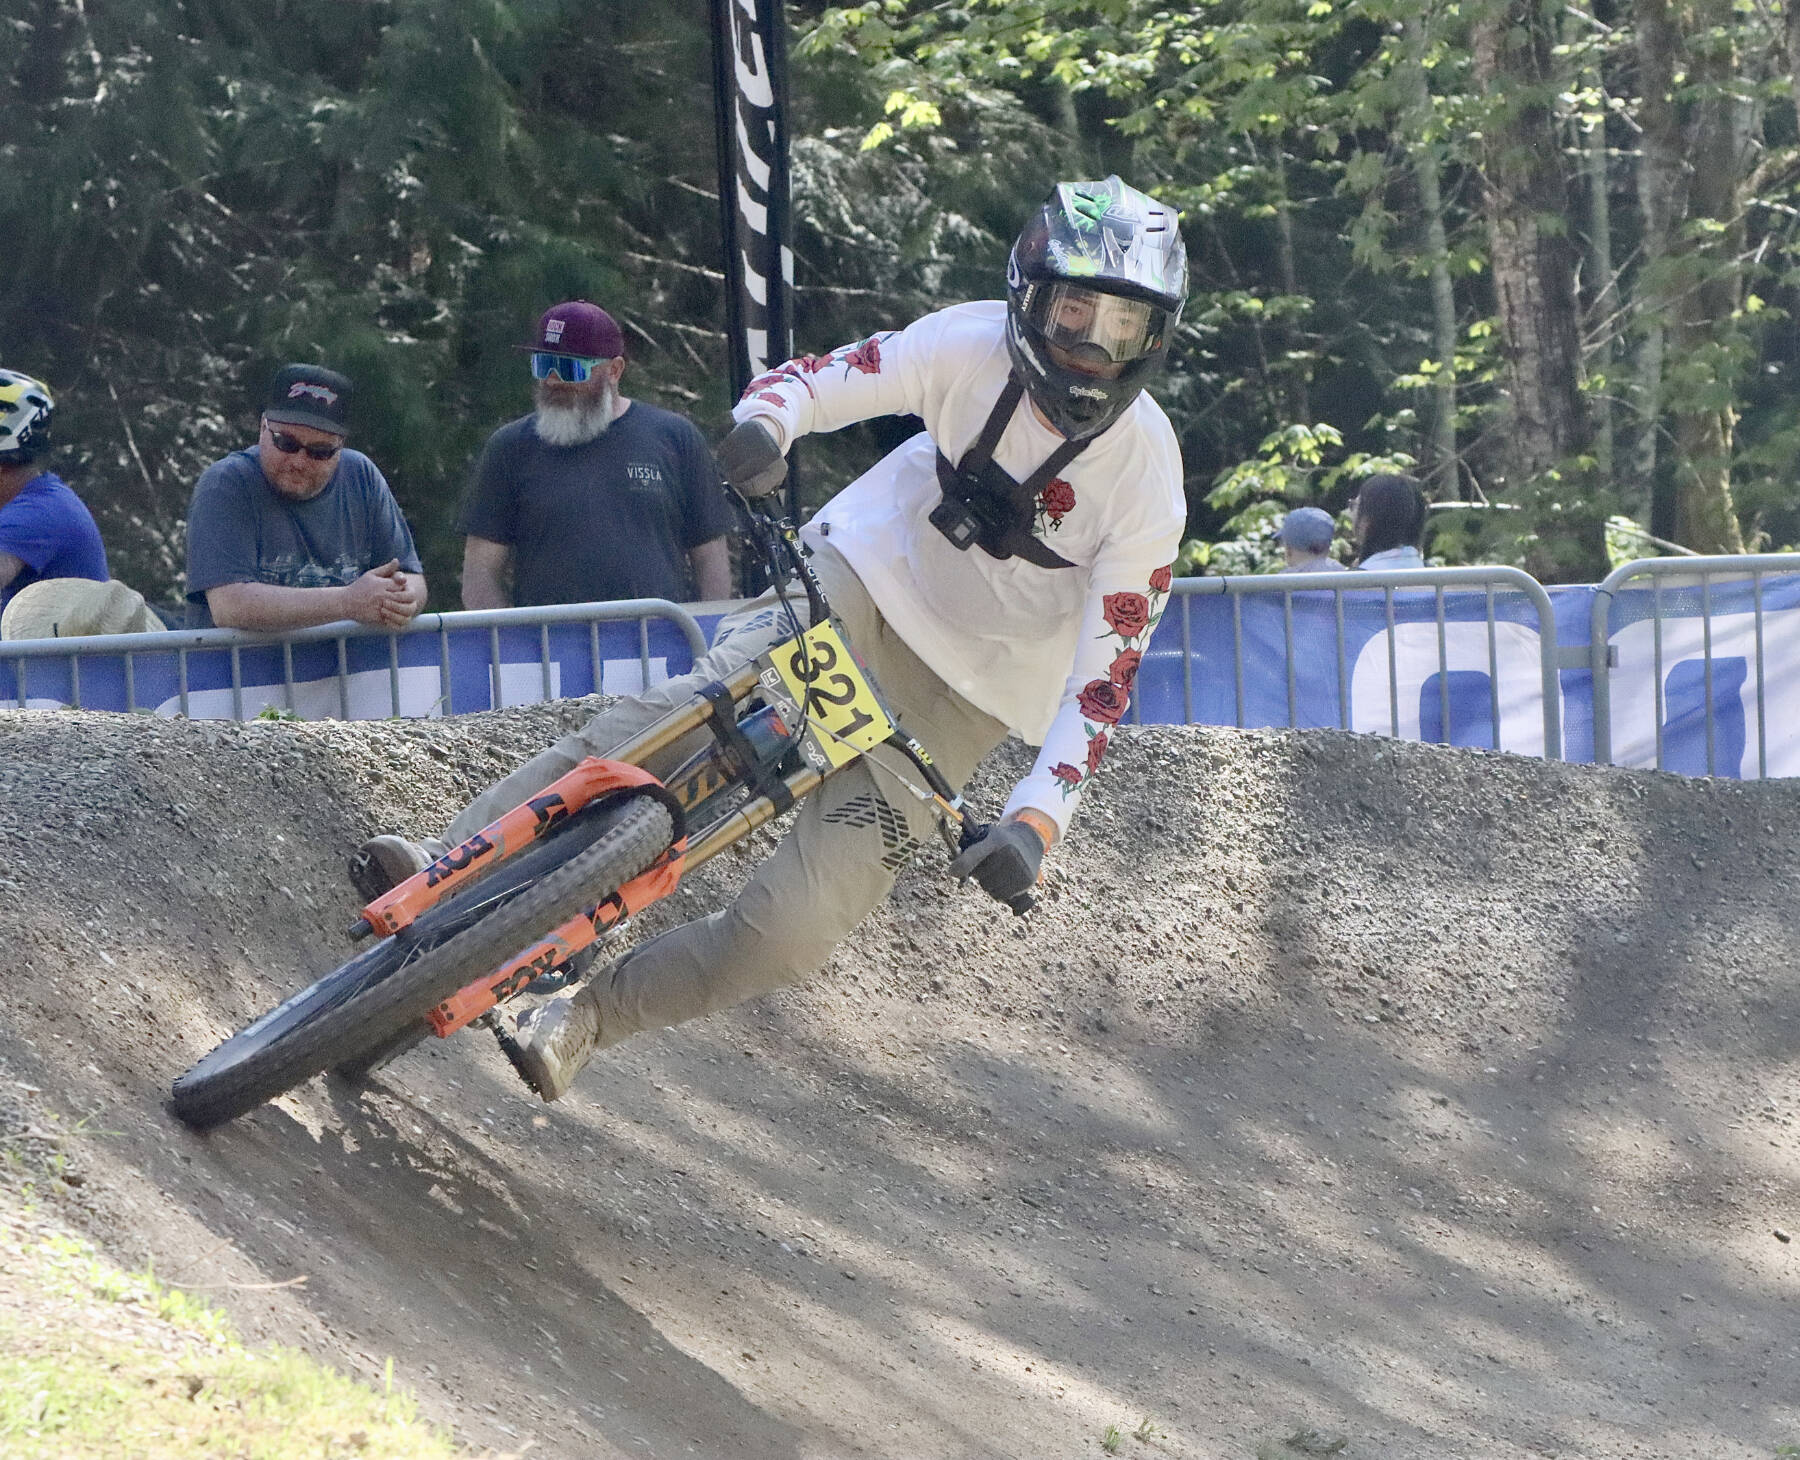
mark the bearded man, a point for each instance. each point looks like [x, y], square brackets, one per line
[592, 496]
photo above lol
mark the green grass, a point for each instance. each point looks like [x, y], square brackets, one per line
[97, 1364]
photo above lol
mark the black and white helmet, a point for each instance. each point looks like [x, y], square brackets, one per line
[26, 407]
[1094, 289]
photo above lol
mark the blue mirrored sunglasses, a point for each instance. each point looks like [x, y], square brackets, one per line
[573, 368]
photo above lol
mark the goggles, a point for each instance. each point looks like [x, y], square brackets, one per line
[575, 369]
[316, 451]
[1083, 321]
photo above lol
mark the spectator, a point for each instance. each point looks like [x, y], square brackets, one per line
[45, 531]
[1305, 536]
[1388, 522]
[592, 496]
[299, 529]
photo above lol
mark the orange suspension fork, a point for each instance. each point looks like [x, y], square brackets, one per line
[517, 829]
[557, 946]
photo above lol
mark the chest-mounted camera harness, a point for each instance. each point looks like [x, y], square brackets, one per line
[984, 507]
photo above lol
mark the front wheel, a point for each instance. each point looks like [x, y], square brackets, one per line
[377, 999]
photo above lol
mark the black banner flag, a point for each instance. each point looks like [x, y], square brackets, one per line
[750, 81]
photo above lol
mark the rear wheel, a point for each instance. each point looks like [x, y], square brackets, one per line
[370, 1009]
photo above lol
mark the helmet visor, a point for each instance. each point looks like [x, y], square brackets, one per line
[1091, 325]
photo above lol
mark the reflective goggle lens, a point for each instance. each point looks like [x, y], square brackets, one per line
[573, 368]
[1073, 316]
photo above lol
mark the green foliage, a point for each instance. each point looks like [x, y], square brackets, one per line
[194, 193]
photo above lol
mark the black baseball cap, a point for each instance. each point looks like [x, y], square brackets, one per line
[310, 395]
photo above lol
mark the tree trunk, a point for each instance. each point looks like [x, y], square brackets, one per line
[1299, 397]
[1660, 189]
[1440, 460]
[1706, 313]
[1692, 167]
[1533, 261]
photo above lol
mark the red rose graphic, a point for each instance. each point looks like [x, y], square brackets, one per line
[1161, 579]
[1063, 771]
[1096, 749]
[866, 357]
[1104, 702]
[812, 364]
[1057, 499]
[771, 397]
[1124, 669]
[1127, 614]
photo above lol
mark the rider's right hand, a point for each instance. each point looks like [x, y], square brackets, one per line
[751, 460]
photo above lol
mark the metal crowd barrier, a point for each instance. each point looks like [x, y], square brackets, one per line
[1492, 580]
[182, 643]
[1683, 574]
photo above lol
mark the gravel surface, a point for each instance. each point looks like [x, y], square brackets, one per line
[1433, 1101]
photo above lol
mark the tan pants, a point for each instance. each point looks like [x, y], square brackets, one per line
[848, 842]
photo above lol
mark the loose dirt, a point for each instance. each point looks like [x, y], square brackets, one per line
[1437, 1102]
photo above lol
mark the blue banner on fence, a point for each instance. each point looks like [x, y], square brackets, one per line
[1461, 666]
[450, 671]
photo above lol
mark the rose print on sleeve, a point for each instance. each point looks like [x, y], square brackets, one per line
[1104, 702]
[1130, 618]
[1127, 614]
[866, 357]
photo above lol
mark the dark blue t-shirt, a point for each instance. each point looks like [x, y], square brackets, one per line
[241, 530]
[612, 518]
[47, 528]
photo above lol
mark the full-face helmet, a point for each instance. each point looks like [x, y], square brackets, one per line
[26, 407]
[1094, 289]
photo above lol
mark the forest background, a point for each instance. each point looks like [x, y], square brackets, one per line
[1540, 254]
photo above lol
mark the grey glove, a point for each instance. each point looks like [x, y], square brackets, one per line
[751, 460]
[1004, 859]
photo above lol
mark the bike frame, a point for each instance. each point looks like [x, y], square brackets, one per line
[792, 728]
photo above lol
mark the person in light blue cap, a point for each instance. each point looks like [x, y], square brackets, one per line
[1305, 537]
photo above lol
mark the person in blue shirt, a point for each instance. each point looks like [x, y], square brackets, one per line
[45, 530]
[299, 529]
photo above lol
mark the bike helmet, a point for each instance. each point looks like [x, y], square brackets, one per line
[26, 407]
[1096, 280]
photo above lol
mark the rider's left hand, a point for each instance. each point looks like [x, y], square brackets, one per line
[1005, 860]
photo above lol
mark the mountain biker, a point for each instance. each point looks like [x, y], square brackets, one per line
[1002, 570]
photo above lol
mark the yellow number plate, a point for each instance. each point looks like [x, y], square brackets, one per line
[840, 704]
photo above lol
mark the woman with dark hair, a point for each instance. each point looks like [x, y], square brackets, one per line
[1388, 522]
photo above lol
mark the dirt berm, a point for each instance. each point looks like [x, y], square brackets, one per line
[1436, 1102]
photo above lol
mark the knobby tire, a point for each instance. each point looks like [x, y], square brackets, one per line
[320, 1027]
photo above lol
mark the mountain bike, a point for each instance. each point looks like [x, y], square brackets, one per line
[520, 899]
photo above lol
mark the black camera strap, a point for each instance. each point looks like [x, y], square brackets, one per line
[1003, 509]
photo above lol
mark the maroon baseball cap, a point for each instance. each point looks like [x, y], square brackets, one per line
[580, 329]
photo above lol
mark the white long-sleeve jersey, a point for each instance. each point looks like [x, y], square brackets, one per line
[1050, 652]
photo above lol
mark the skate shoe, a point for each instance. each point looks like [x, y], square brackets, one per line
[550, 1045]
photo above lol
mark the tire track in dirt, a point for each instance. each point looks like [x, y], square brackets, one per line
[1440, 1100]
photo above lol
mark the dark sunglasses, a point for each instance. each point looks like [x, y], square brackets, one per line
[287, 445]
[573, 368]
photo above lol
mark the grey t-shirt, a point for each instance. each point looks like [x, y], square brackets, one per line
[241, 530]
[612, 518]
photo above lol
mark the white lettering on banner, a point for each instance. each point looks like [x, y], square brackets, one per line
[370, 693]
[1733, 649]
[751, 211]
[760, 171]
[1517, 659]
[752, 73]
[626, 676]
